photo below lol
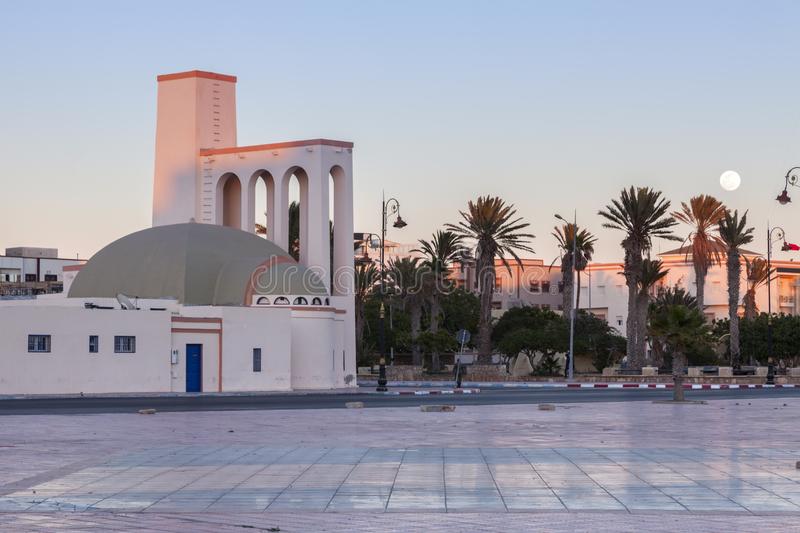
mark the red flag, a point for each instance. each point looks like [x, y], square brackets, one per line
[790, 246]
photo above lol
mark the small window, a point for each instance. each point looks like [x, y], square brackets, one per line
[546, 307]
[30, 277]
[94, 344]
[50, 277]
[327, 301]
[316, 301]
[124, 344]
[546, 287]
[300, 301]
[281, 300]
[256, 359]
[39, 343]
[262, 301]
[535, 286]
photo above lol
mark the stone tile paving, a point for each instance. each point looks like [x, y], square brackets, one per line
[241, 478]
[728, 459]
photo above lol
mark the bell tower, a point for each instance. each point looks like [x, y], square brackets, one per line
[196, 111]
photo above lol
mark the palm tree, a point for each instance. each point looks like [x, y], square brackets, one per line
[757, 274]
[674, 296]
[703, 213]
[407, 280]
[491, 223]
[642, 214]
[734, 233]
[652, 273]
[367, 278]
[441, 251]
[677, 327]
[584, 247]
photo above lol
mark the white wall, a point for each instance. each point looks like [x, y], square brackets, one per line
[69, 367]
[256, 327]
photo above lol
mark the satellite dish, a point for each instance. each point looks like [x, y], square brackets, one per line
[125, 302]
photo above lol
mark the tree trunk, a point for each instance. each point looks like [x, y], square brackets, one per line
[566, 280]
[578, 291]
[642, 303]
[750, 310]
[486, 276]
[416, 321]
[633, 268]
[677, 376]
[359, 315]
[700, 284]
[734, 278]
[433, 327]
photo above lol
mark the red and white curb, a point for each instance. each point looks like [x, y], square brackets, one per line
[562, 385]
[428, 392]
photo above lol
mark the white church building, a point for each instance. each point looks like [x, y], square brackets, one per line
[199, 302]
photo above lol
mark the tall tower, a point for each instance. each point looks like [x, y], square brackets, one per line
[196, 111]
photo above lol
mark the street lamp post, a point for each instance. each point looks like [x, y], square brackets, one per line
[779, 233]
[791, 179]
[388, 208]
[571, 362]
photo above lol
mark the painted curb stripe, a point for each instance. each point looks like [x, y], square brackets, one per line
[561, 385]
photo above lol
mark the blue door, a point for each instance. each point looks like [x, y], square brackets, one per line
[194, 368]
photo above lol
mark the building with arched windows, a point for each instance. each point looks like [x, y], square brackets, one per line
[201, 302]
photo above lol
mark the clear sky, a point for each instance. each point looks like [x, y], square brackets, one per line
[551, 105]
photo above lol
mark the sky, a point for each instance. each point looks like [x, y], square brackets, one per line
[553, 106]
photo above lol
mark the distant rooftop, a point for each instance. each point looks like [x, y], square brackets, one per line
[32, 251]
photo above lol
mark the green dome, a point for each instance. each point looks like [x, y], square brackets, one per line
[195, 264]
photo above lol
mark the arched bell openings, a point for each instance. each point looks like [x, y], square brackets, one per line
[261, 208]
[229, 201]
[295, 185]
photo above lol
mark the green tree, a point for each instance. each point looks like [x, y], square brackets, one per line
[678, 328]
[408, 282]
[703, 213]
[642, 215]
[497, 233]
[757, 275]
[583, 243]
[440, 252]
[367, 278]
[734, 233]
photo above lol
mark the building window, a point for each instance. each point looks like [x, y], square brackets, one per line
[256, 359]
[300, 301]
[281, 300]
[546, 287]
[619, 320]
[546, 307]
[124, 344]
[497, 305]
[316, 301]
[94, 344]
[535, 287]
[263, 300]
[560, 287]
[50, 277]
[30, 277]
[39, 343]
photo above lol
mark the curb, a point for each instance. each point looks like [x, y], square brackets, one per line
[553, 385]
[425, 392]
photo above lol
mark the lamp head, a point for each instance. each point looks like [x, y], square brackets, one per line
[399, 223]
[783, 198]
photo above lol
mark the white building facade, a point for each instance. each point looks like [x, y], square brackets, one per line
[199, 302]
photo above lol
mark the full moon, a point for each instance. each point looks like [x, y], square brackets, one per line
[730, 180]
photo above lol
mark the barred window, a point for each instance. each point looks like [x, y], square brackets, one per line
[124, 344]
[39, 343]
[94, 344]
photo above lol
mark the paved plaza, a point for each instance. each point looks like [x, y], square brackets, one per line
[726, 465]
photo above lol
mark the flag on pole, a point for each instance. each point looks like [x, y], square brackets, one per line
[790, 246]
